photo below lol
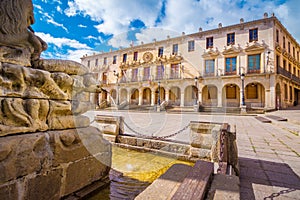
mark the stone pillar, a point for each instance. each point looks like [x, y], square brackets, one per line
[128, 96]
[140, 97]
[220, 97]
[182, 99]
[152, 97]
[167, 94]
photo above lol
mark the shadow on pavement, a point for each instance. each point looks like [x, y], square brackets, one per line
[260, 179]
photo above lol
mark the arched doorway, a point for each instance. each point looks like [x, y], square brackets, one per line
[278, 96]
[255, 95]
[146, 96]
[134, 98]
[231, 95]
[174, 96]
[113, 96]
[161, 95]
[123, 95]
[190, 95]
[210, 95]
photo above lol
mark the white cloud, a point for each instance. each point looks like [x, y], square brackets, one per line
[115, 16]
[75, 48]
[82, 26]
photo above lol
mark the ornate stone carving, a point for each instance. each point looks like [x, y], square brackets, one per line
[21, 45]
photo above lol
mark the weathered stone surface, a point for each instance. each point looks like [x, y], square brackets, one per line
[224, 187]
[82, 173]
[200, 153]
[15, 31]
[9, 191]
[44, 186]
[24, 154]
[71, 145]
[66, 66]
[110, 124]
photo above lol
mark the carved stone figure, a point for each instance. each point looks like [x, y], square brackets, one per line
[16, 17]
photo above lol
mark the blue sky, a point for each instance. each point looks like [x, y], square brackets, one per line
[73, 28]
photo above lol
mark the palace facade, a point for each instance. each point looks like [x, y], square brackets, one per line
[250, 64]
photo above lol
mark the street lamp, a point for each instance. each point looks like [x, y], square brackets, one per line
[243, 95]
[158, 101]
[196, 85]
[116, 74]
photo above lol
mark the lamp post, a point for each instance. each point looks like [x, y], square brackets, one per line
[117, 75]
[158, 101]
[243, 95]
[196, 85]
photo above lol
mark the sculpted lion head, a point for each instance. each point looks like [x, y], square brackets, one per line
[15, 16]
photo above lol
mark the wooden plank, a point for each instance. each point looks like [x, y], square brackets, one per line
[263, 120]
[196, 183]
[277, 118]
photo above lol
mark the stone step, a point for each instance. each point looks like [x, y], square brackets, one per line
[263, 119]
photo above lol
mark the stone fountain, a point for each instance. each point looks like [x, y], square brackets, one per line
[47, 147]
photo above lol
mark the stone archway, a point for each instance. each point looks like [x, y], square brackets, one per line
[210, 95]
[231, 95]
[255, 95]
[134, 97]
[174, 96]
[123, 95]
[146, 96]
[190, 95]
[161, 95]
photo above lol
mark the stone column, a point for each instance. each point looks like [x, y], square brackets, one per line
[128, 96]
[140, 97]
[220, 97]
[167, 94]
[182, 99]
[152, 97]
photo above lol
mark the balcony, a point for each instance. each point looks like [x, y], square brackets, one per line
[175, 76]
[123, 80]
[146, 78]
[159, 77]
[287, 74]
[134, 79]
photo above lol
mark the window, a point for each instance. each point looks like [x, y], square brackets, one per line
[254, 63]
[277, 61]
[135, 56]
[146, 74]
[105, 61]
[231, 92]
[290, 67]
[191, 45]
[160, 72]
[134, 76]
[124, 57]
[285, 91]
[212, 92]
[291, 93]
[104, 78]
[230, 65]
[209, 67]
[294, 52]
[283, 42]
[209, 42]
[174, 71]
[277, 36]
[96, 62]
[175, 49]
[230, 39]
[289, 47]
[253, 35]
[160, 51]
[284, 64]
[252, 91]
[88, 63]
[114, 59]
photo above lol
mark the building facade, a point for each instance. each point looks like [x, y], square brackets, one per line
[252, 64]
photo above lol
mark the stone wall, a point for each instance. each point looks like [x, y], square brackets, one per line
[52, 164]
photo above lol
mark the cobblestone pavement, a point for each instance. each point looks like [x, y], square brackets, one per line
[269, 153]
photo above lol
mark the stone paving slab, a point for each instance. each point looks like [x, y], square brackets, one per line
[272, 150]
